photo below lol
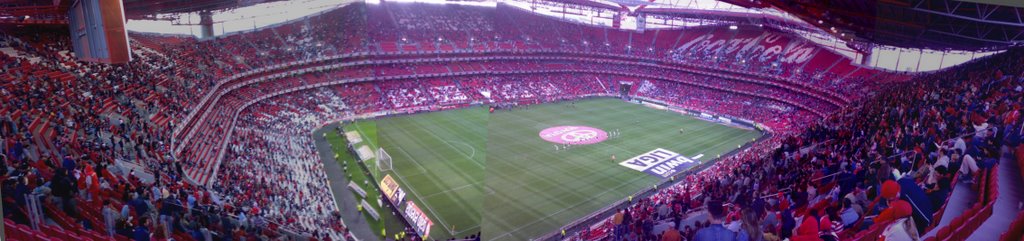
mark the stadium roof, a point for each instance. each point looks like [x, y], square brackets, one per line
[55, 11]
[141, 9]
[935, 24]
[932, 24]
[33, 11]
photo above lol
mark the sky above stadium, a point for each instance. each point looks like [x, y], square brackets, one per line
[239, 19]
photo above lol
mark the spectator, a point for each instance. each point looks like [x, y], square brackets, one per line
[620, 229]
[849, 214]
[716, 230]
[672, 234]
[141, 233]
[968, 168]
[808, 231]
[752, 219]
[898, 208]
[943, 160]
[110, 217]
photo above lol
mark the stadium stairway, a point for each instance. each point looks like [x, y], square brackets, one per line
[958, 203]
[1007, 204]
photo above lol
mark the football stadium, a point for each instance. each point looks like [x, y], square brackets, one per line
[569, 120]
[496, 162]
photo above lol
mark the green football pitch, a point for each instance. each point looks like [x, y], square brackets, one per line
[472, 171]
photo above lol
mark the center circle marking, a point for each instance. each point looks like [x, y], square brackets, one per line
[575, 135]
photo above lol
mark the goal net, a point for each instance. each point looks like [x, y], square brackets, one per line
[383, 160]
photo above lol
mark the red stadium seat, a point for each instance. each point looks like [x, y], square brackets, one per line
[958, 221]
[961, 233]
[15, 232]
[40, 237]
[944, 233]
[93, 235]
[72, 236]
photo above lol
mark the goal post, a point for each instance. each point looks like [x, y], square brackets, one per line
[383, 160]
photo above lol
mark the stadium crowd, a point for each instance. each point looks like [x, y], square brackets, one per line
[835, 180]
[272, 141]
[123, 112]
[89, 143]
[93, 143]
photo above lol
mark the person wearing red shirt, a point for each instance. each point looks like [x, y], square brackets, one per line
[898, 208]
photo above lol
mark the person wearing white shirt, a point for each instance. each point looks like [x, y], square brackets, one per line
[960, 144]
[969, 167]
[981, 130]
[943, 160]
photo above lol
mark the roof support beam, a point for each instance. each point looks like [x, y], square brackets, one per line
[968, 37]
[1017, 38]
[952, 14]
[1016, 11]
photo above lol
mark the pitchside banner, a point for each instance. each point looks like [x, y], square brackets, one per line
[418, 219]
[659, 162]
[392, 190]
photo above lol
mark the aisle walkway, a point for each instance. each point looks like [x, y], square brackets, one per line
[344, 198]
[1007, 203]
[961, 200]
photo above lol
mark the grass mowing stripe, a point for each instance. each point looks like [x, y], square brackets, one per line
[525, 188]
[428, 157]
[445, 141]
[530, 170]
[447, 169]
[659, 129]
[562, 210]
[440, 231]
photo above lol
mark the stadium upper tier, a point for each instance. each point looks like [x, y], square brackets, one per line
[750, 50]
[177, 112]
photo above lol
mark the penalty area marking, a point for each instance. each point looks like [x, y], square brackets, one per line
[452, 190]
[453, 147]
[471, 148]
